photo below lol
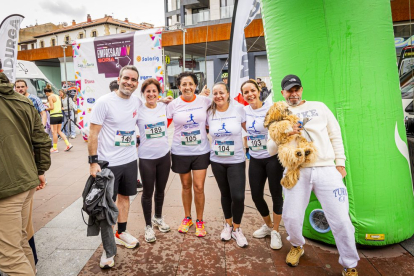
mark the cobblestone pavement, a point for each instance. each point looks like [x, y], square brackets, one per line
[64, 249]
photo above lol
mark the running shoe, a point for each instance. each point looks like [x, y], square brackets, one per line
[226, 232]
[349, 272]
[239, 237]
[73, 137]
[200, 231]
[262, 232]
[52, 150]
[149, 234]
[292, 258]
[126, 240]
[106, 262]
[139, 186]
[160, 223]
[69, 147]
[275, 240]
[185, 225]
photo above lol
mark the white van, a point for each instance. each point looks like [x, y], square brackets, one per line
[35, 79]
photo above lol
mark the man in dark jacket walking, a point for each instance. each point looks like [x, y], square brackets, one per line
[24, 157]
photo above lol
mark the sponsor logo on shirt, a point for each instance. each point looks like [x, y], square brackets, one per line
[134, 114]
[308, 114]
[91, 100]
[252, 129]
[222, 131]
[191, 123]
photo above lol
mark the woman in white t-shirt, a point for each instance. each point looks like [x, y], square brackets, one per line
[262, 166]
[226, 121]
[154, 156]
[190, 150]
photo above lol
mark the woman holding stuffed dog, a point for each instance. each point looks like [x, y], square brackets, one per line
[262, 165]
[228, 163]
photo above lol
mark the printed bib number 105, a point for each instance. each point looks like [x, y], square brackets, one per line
[192, 138]
[257, 142]
[124, 138]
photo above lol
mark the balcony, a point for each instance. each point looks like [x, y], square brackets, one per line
[226, 12]
[193, 19]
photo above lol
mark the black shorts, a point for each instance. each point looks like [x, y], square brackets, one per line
[56, 120]
[187, 163]
[126, 176]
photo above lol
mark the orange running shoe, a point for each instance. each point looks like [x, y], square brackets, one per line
[200, 231]
[185, 225]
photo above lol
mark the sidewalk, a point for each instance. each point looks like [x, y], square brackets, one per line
[64, 249]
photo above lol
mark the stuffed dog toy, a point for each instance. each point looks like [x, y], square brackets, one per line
[294, 151]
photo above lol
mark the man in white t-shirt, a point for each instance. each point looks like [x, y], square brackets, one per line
[323, 177]
[112, 138]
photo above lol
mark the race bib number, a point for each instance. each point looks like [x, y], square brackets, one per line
[155, 130]
[192, 138]
[223, 148]
[124, 138]
[257, 142]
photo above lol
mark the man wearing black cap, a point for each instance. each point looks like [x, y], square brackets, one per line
[323, 177]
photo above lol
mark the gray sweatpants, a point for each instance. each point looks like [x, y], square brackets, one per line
[326, 183]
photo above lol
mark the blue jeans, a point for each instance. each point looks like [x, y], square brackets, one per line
[72, 127]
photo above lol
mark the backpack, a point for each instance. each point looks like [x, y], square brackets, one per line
[93, 195]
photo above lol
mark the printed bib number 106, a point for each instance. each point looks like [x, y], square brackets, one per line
[124, 138]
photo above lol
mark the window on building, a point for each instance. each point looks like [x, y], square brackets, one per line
[33, 45]
[179, 18]
[42, 44]
[81, 35]
[178, 4]
[169, 5]
[225, 3]
[67, 39]
[93, 34]
[53, 42]
[23, 47]
[169, 21]
[403, 30]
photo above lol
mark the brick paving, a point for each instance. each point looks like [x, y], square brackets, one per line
[185, 254]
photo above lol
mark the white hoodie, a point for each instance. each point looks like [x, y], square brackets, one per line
[324, 131]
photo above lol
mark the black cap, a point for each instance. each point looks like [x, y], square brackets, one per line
[290, 81]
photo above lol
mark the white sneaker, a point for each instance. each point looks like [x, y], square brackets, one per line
[162, 226]
[106, 262]
[239, 237]
[275, 240]
[226, 232]
[149, 234]
[262, 232]
[126, 239]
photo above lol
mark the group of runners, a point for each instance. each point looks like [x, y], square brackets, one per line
[113, 139]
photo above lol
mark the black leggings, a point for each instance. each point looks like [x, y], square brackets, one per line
[259, 170]
[231, 179]
[154, 173]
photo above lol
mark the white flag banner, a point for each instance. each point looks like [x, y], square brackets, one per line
[97, 62]
[9, 38]
[243, 15]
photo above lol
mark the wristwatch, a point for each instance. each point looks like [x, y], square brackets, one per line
[93, 159]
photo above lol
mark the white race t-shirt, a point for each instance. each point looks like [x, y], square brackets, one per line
[256, 133]
[152, 125]
[226, 131]
[117, 138]
[190, 136]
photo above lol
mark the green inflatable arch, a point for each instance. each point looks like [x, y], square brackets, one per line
[344, 53]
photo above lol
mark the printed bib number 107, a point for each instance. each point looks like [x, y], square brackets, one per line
[224, 148]
[192, 138]
[124, 138]
[257, 142]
